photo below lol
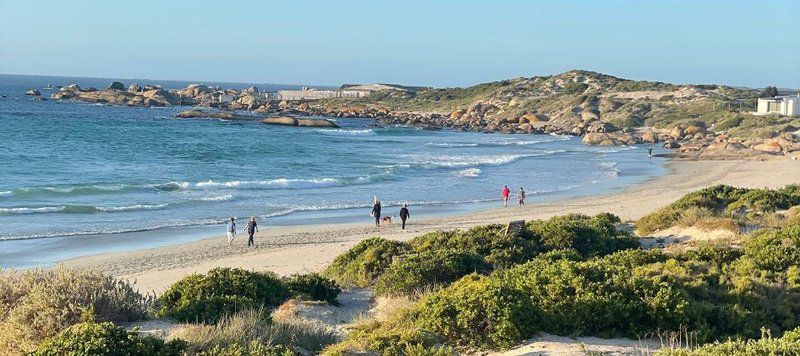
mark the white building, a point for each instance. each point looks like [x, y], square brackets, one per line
[783, 105]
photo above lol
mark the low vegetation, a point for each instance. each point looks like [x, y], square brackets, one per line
[38, 304]
[788, 344]
[719, 292]
[206, 298]
[92, 338]
[721, 206]
[475, 289]
[363, 263]
[251, 332]
[313, 286]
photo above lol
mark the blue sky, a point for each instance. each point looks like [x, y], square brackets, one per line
[439, 43]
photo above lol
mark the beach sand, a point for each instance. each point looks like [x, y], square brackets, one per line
[301, 249]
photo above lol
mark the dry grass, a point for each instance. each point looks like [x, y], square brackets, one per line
[705, 219]
[253, 325]
[37, 304]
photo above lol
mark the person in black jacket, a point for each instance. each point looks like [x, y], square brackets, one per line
[376, 212]
[404, 215]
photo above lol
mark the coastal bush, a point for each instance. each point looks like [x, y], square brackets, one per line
[313, 286]
[565, 297]
[588, 235]
[477, 311]
[774, 250]
[720, 201]
[363, 263]
[38, 304]
[426, 269]
[729, 123]
[91, 338]
[252, 332]
[221, 291]
[575, 88]
[487, 241]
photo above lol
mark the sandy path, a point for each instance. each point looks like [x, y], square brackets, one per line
[311, 248]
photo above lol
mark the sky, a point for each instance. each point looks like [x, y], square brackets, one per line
[435, 43]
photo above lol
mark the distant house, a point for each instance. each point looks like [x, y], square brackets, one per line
[784, 105]
[345, 91]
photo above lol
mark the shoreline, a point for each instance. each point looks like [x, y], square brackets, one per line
[307, 248]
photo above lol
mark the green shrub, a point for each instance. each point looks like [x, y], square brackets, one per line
[774, 250]
[38, 304]
[764, 201]
[426, 269]
[729, 123]
[575, 88]
[479, 312]
[90, 338]
[589, 236]
[314, 287]
[363, 263]
[497, 249]
[221, 291]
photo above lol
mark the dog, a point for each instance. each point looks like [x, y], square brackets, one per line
[386, 220]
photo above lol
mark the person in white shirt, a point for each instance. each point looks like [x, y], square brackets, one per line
[231, 231]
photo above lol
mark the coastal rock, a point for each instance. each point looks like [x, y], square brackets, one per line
[134, 88]
[676, 133]
[190, 114]
[608, 139]
[33, 92]
[650, 137]
[727, 150]
[769, 147]
[161, 97]
[317, 123]
[694, 130]
[280, 120]
[116, 86]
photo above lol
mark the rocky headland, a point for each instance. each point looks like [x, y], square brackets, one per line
[698, 121]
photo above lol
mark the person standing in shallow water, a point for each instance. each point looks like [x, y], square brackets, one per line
[403, 216]
[521, 196]
[376, 212]
[251, 229]
[231, 231]
[650, 151]
[505, 194]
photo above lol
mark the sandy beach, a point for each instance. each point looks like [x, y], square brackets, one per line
[311, 248]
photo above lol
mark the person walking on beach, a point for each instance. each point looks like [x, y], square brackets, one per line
[376, 211]
[404, 215]
[521, 196]
[231, 231]
[251, 229]
[505, 194]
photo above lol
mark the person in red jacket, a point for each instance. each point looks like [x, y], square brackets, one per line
[505, 194]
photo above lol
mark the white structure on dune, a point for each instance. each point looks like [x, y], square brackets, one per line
[783, 105]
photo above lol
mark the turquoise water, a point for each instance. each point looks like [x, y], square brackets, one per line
[71, 169]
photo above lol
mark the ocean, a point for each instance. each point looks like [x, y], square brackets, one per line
[71, 170]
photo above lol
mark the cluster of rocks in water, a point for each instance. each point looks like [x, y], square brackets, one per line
[693, 142]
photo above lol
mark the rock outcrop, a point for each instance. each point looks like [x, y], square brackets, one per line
[304, 122]
[223, 115]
